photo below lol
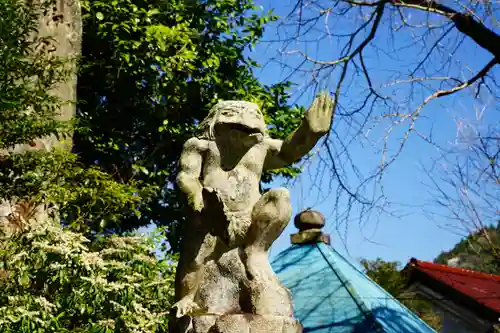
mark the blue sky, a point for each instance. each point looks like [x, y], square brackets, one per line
[412, 233]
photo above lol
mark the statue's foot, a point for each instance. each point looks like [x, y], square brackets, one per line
[186, 307]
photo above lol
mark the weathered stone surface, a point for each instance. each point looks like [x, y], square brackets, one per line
[245, 323]
[310, 237]
[309, 222]
[224, 281]
[309, 219]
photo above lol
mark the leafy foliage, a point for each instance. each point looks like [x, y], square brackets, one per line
[479, 251]
[85, 195]
[27, 108]
[56, 280]
[151, 72]
[53, 278]
[387, 274]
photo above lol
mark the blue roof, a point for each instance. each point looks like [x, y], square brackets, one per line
[330, 294]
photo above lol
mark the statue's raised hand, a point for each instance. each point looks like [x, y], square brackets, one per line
[319, 114]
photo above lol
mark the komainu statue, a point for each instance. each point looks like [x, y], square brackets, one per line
[224, 281]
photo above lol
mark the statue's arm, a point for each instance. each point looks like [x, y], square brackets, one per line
[188, 178]
[315, 124]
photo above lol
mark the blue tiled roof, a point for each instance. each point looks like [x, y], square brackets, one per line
[332, 295]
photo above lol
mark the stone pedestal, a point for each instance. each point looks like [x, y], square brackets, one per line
[244, 323]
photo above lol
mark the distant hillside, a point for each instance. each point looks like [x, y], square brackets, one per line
[479, 251]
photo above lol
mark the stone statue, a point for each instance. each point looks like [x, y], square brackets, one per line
[224, 281]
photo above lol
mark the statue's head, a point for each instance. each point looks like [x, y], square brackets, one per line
[238, 118]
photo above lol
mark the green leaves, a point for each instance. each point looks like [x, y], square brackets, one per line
[479, 251]
[88, 198]
[27, 109]
[54, 280]
[153, 70]
[387, 275]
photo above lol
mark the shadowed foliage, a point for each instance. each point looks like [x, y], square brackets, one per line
[151, 70]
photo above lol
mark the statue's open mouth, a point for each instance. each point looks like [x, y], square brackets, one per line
[244, 129]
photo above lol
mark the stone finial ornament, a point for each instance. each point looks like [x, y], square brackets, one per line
[309, 219]
[309, 223]
[224, 281]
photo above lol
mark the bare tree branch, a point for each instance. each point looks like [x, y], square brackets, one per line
[464, 22]
[384, 62]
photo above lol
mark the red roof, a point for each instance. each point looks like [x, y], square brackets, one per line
[483, 287]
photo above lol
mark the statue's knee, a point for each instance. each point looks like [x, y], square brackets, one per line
[274, 206]
[278, 194]
[279, 199]
[269, 217]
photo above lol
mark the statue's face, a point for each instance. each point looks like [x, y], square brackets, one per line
[240, 119]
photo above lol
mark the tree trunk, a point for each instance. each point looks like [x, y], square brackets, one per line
[63, 23]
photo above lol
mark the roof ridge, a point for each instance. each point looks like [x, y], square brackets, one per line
[456, 270]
